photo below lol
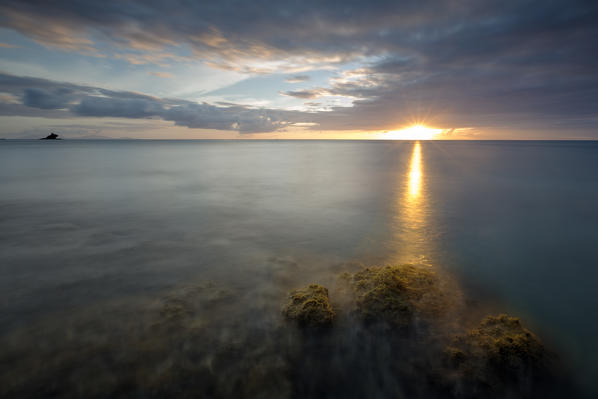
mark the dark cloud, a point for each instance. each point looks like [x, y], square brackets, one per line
[447, 31]
[230, 28]
[463, 63]
[45, 98]
[238, 118]
[307, 94]
[118, 107]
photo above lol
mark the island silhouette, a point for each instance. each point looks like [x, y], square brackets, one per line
[51, 136]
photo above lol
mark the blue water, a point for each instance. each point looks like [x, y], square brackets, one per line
[85, 222]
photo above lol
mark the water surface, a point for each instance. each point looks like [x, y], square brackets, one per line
[89, 223]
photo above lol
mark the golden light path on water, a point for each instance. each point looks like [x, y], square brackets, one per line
[411, 230]
[415, 173]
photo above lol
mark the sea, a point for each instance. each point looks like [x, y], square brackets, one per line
[95, 235]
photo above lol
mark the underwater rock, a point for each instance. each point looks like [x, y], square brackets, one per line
[184, 305]
[394, 294]
[498, 356]
[310, 306]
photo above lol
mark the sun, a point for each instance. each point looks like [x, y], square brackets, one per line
[413, 132]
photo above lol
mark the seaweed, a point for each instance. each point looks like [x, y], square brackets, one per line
[395, 294]
[310, 307]
[498, 356]
[208, 340]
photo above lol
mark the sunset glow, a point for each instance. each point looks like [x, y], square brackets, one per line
[316, 199]
[413, 132]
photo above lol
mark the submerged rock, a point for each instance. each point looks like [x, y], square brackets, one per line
[394, 294]
[186, 305]
[498, 356]
[310, 306]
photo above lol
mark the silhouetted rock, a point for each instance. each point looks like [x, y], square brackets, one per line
[310, 306]
[51, 136]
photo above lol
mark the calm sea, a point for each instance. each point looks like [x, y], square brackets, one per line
[87, 223]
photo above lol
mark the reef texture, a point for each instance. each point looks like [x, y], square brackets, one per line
[310, 307]
[495, 356]
[395, 294]
[218, 341]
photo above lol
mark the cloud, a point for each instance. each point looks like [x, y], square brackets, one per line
[309, 32]
[500, 64]
[306, 94]
[245, 120]
[8, 98]
[297, 79]
[118, 107]
[47, 30]
[313, 33]
[161, 74]
[45, 98]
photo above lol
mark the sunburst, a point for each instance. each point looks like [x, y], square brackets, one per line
[413, 132]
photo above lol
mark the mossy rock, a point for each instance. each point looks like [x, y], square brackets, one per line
[394, 294]
[499, 355]
[310, 307]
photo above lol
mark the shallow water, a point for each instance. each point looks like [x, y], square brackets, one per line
[93, 233]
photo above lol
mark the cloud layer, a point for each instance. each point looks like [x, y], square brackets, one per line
[45, 98]
[460, 63]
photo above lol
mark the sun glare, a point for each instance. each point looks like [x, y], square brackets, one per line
[415, 173]
[414, 132]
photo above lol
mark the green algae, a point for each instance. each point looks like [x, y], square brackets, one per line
[310, 306]
[395, 294]
[496, 356]
[207, 340]
[187, 304]
[193, 341]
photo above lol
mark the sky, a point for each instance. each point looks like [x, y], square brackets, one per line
[181, 69]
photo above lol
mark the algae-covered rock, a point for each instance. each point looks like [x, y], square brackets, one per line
[394, 294]
[500, 355]
[185, 304]
[310, 306]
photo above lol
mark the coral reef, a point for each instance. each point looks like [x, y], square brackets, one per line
[310, 306]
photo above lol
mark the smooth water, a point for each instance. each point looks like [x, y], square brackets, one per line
[88, 223]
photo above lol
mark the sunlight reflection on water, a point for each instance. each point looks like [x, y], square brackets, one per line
[415, 174]
[83, 224]
[412, 221]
